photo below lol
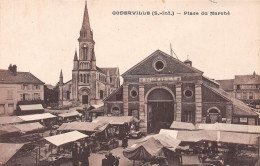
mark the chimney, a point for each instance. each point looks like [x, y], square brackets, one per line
[13, 69]
[254, 74]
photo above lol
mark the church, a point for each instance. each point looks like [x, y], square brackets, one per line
[90, 84]
[161, 89]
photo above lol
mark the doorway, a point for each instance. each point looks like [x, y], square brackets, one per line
[160, 110]
[84, 99]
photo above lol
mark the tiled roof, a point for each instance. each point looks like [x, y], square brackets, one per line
[239, 108]
[175, 64]
[100, 70]
[112, 70]
[7, 76]
[247, 79]
[226, 85]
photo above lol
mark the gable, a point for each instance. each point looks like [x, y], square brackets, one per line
[117, 95]
[208, 95]
[160, 63]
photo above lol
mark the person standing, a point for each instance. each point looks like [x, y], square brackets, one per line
[110, 159]
[85, 155]
[116, 163]
[75, 155]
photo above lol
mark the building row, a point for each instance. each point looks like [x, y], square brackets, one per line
[158, 90]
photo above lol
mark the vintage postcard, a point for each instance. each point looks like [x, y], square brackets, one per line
[158, 82]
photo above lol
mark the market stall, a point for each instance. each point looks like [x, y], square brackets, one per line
[70, 116]
[94, 111]
[46, 119]
[10, 120]
[7, 151]
[153, 149]
[30, 109]
[60, 147]
[218, 147]
[23, 133]
[216, 127]
[123, 125]
[101, 134]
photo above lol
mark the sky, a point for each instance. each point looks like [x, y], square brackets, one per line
[40, 36]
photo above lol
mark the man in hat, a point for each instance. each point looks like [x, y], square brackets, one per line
[110, 159]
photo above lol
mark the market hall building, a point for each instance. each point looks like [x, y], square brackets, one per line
[161, 89]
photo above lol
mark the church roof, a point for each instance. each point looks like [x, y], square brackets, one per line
[226, 85]
[8, 77]
[112, 71]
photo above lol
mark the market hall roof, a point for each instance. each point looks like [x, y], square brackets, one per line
[239, 108]
[9, 77]
[173, 65]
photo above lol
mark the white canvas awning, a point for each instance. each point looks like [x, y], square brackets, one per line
[31, 107]
[115, 120]
[61, 139]
[69, 114]
[7, 151]
[29, 126]
[37, 117]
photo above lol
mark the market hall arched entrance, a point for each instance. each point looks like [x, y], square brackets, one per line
[160, 109]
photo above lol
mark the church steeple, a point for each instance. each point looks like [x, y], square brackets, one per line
[61, 77]
[85, 31]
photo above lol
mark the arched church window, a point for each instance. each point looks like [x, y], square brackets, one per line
[87, 65]
[84, 78]
[88, 78]
[101, 94]
[80, 77]
[85, 50]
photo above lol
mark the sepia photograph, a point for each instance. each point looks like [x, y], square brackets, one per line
[129, 83]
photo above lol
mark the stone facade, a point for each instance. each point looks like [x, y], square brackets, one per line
[18, 87]
[161, 89]
[90, 84]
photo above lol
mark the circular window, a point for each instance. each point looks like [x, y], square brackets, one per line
[133, 93]
[188, 93]
[159, 65]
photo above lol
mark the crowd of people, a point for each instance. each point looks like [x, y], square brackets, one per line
[80, 153]
[110, 160]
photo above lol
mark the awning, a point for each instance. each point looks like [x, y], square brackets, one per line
[8, 129]
[10, 120]
[229, 127]
[209, 135]
[31, 107]
[216, 127]
[83, 126]
[29, 126]
[147, 150]
[165, 139]
[61, 139]
[37, 117]
[70, 114]
[182, 125]
[190, 160]
[7, 151]
[115, 120]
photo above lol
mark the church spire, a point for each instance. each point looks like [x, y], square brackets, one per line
[76, 56]
[85, 32]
